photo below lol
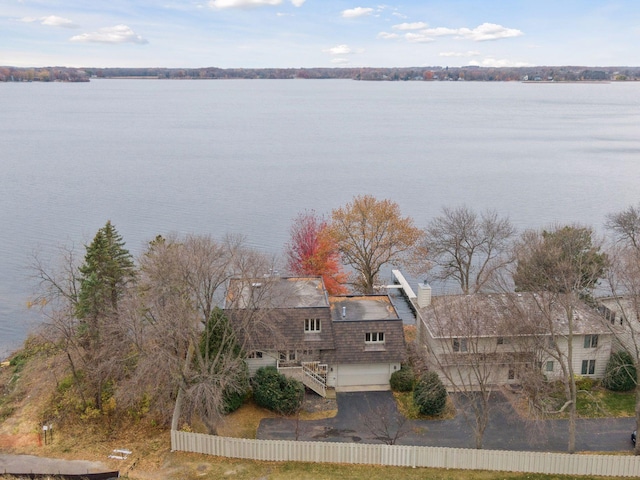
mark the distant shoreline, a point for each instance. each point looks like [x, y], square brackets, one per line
[536, 74]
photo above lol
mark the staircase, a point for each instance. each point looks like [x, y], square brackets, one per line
[312, 374]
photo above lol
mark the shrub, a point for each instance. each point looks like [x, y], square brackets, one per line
[233, 400]
[276, 392]
[585, 383]
[620, 374]
[430, 396]
[402, 380]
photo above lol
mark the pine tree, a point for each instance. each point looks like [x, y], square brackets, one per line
[108, 268]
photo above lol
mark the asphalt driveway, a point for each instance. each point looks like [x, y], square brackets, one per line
[368, 417]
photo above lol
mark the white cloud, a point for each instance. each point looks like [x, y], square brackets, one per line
[251, 3]
[498, 63]
[470, 53]
[388, 36]
[490, 31]
[418, 38]
[56, 21]
[339, 50]
[117, 34]
[51, 21]
[410, 26]
[484, 32]
[243, 3]
[357, 12]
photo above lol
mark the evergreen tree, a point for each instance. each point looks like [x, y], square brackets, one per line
[107, 269]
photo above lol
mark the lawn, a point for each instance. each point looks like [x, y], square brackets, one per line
[599, 402]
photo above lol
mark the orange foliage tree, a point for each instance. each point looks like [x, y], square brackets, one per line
[370, 234]
[313, 251]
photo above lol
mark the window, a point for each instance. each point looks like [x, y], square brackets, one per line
[588, 367]
[311, 324]
[255, 355]
[511, 374]
[287, 355]
[590, 341]
[549, 366]
[459, 344]
[374, 337]
[500, 340]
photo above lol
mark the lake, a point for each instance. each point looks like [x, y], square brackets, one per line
[245, 156]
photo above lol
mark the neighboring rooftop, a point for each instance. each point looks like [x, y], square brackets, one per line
[494, 315]
[277, 292]
[351, 308]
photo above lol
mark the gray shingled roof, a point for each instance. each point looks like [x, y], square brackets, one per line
[494, 315]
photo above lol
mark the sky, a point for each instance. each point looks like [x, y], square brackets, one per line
[318, 33]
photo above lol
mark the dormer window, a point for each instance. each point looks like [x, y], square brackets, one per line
[374, 337]
[312, 325]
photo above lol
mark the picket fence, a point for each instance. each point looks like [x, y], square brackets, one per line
[407, 456]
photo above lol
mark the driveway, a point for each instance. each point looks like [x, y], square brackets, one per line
[367, 417]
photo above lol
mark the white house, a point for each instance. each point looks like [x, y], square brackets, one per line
[492, 339]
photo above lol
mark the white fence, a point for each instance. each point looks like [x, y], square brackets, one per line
[407, 456]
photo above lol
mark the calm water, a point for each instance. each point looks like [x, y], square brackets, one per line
[219, 157]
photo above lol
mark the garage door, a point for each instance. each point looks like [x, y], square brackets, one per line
[363, 377]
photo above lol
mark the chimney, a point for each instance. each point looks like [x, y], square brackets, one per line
[424, 294]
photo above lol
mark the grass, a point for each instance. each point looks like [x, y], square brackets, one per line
[598, 403]
[244, 422]
[194, 466]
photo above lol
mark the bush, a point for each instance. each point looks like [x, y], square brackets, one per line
[402, 380]
[620, 374]
[276, 392]
[430, 396]
[233, 400]
[585, 383]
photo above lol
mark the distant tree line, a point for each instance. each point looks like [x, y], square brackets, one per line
[48, 74]
[433, 73]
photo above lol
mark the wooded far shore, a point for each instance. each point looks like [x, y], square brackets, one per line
[468, 73]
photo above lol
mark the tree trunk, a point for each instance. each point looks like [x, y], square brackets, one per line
[177, 409]
[637, 449]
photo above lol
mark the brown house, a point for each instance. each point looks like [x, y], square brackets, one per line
[350, 343]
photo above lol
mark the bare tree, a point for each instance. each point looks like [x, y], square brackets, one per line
[182, 281]
[90, 341]
[561, 267]
[625, 226]
[464, 350]
[385, 424]
[622, 309]
[468, 248]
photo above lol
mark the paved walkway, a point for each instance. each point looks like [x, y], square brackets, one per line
[362, 417]
[33, 464]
